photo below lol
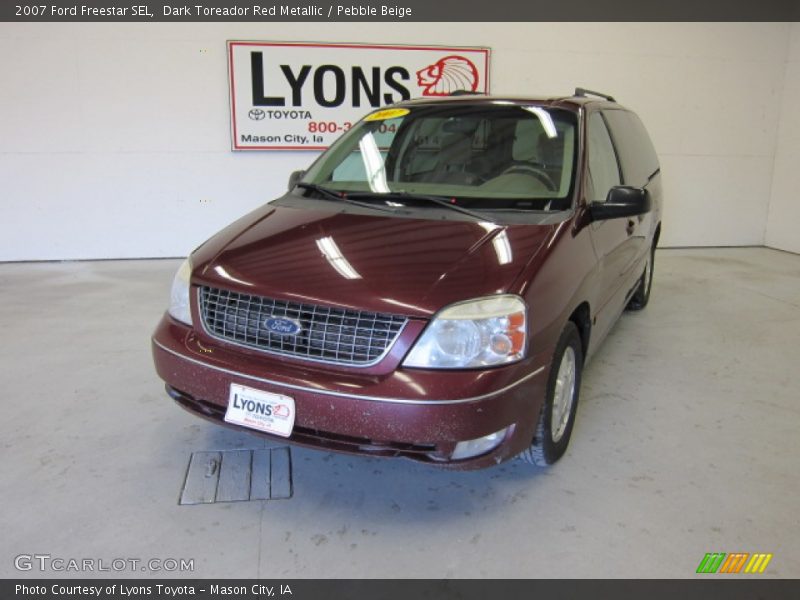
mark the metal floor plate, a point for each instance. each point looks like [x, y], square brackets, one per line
[238, 475]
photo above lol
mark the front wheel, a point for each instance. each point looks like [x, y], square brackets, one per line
[557, 416]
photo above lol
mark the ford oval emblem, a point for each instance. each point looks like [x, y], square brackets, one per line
[282, 326]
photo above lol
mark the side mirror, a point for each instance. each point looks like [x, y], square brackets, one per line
[622, 201]
[294, 178]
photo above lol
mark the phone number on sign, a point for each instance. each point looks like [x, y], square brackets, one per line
[334, 127]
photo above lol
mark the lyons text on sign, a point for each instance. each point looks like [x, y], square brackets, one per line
[302, 96]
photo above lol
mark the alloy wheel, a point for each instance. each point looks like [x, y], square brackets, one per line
[564, 394]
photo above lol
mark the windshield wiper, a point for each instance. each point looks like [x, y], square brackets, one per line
[427, 198]
[330, 194]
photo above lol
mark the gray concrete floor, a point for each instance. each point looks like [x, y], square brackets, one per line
[687, 441]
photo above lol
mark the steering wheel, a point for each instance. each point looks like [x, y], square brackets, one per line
[534, 170]
[456, 177]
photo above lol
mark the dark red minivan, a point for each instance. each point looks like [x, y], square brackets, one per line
[430, 287]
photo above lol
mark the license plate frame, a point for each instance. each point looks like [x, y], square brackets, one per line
[260, 410]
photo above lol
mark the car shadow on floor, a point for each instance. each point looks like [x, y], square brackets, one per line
[382, 490]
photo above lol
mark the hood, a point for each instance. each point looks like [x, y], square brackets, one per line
[368, 261]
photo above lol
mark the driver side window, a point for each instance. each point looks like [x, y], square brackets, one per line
[603, 165]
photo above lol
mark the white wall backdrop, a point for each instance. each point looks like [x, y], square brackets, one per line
[115, 137]
[783, 224]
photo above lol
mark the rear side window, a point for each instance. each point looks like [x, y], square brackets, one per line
[637, 156]
[603, 167]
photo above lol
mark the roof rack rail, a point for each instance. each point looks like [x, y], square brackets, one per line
[583, 92]
[465, 93]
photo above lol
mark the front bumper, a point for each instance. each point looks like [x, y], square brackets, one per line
[417, 414]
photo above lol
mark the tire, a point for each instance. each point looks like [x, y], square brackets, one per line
[641, 296]
[549, 441]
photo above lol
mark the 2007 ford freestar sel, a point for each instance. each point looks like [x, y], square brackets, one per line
[430, 287]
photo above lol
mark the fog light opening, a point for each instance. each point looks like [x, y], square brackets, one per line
[481, 445]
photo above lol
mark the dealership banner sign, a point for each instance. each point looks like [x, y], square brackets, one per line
[302, 96]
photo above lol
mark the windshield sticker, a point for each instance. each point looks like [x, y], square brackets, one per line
[387, 113]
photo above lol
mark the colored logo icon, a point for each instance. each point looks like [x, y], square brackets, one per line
[448, 75]
[282, 326]
[734, 563]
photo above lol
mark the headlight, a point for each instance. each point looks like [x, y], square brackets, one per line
[179, 298]
[478, 333]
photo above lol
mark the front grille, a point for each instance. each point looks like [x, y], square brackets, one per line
[336, 335]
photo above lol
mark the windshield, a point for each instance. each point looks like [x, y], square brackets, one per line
[487, 156]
